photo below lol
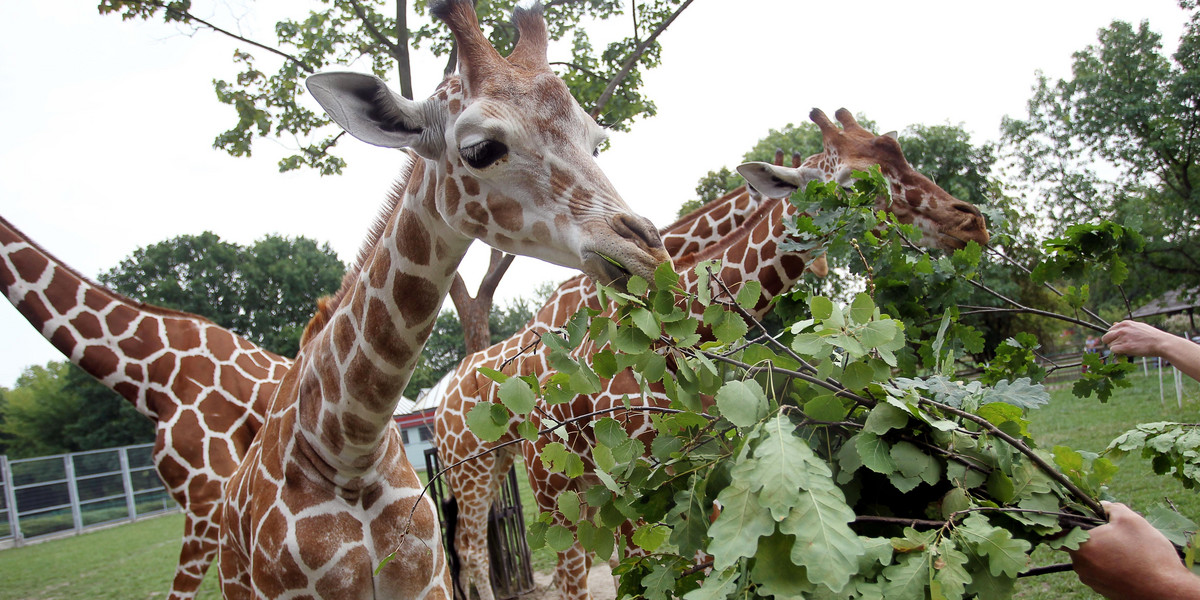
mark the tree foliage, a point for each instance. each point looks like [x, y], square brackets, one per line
[59, 408]
[446, 346]
[265, 292]
[1118, 140]
[847, 456]
[607, 80]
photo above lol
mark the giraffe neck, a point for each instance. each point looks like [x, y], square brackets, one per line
[138, 350]
[751, 252]
[352, 373]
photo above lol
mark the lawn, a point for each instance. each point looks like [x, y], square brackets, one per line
[137, 560]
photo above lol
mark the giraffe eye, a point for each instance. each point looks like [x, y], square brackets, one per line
[483, 154]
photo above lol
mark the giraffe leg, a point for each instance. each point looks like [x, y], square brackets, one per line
[196, 555]
[572, 572]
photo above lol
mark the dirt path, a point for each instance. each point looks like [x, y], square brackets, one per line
[600, 585]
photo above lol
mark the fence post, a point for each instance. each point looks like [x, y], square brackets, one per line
[10, 497]
[73, 493]
[127, 483]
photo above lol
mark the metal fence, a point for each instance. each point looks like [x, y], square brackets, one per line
[70, 493]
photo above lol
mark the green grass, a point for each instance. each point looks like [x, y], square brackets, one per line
[138, 560]
[129, 561]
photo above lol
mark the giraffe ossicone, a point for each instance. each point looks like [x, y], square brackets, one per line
[326, 503]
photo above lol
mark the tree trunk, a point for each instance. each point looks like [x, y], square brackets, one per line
[473, 313]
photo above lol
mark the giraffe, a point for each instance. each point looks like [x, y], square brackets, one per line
[750, 253]
[500, 153]
[205, 388]
[474, 483]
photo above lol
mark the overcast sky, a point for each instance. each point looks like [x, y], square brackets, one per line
[108, 125]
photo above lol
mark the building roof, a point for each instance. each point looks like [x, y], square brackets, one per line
[1175, 301]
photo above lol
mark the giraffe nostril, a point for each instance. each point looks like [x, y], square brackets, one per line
[638, 229]
[967, 208]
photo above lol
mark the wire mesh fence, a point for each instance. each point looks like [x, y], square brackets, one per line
[78, 491]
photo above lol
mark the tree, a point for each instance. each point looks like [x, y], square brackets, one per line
[1118, 140]
[446, 345]
[607, 82]
[266, 292]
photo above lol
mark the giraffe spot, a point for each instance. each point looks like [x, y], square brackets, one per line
[275, 574]
[188, 427]
[7, 278]
[358, 430]
[506, 211]
[328, 533]
[63, 290]
[331, 433]
[415, 177]
[386, 340]
[144, 342]
[792, 263]
[376, 391]
[127, 390]
[560, 182]
[182, 334]
[220, 343]
[198, 369]
[768, 276]
[380, 268]
[135, 372]
[541, 232]
[452, 194]
[581, 200]
[470, 185]
[88, 326]
[750, 262]
[171, 470]
[455, 106]
[119, 318]
[29, 263]
[32, 308]
[767, 252]
[99, 361]
[63, 338]
[476, 212]
[914, 197]
[412, 240]
[724, 228]
[418, 298]
[220, 459]
[343, 337]
[219, 413]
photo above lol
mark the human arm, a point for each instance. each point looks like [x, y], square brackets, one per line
[1128, 558]
[1139, 339]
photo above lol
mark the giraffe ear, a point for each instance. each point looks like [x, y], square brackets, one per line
[367, 109]
[892, 134]
[775, 181]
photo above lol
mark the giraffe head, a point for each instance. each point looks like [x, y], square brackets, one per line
[512, 151]
[945, 221]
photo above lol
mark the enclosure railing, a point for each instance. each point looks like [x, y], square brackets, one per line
[71, 493]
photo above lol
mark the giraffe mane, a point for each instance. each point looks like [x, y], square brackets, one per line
[691, 216]
[101, 288]
[327, 305]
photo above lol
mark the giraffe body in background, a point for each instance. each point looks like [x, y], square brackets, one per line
[205, 388]
[326, 504]
[749, 253]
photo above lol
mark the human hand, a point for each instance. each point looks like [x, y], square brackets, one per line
[1135, 339]
[1128, 558]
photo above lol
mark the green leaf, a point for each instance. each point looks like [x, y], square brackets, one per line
[645, 321]
[559, 538]
[884, 418]
[742, 402]
[748, 296]
[875, 453]
[493, 374]
[516, 394]
[1007, 556]
[527, 430]
[822, 307]
[857, 375]
[742, 521]
[825, 544]
[717, 586]
[665, 277]
[782, 465]
[595, 539]
[825, 408]
[488, 421]
[610, 432]
[660, 582]
[906, 579]
[650, 536]
[914, 462]
[778, 577]
[637, 286]
[862, 308]
[568, 505]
